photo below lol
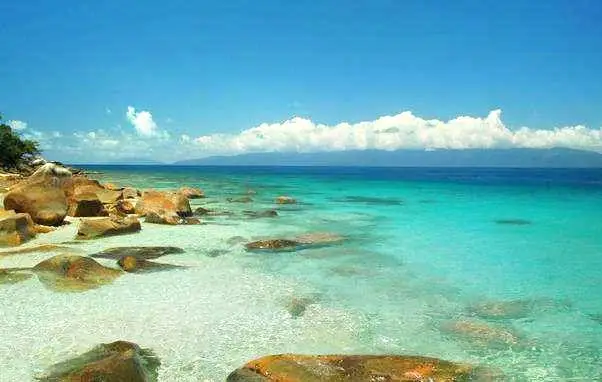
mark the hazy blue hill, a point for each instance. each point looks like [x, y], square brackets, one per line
[414, 158]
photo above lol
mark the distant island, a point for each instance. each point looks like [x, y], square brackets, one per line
[550, 158]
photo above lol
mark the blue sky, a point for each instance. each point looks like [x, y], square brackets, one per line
[71, 69]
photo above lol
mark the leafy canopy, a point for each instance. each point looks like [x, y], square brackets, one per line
[13, 148]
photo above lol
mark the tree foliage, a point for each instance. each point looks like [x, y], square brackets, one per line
[13, 148]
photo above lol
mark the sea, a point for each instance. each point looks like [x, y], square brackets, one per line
[495, 267]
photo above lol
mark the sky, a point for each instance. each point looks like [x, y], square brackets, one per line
[117, 79]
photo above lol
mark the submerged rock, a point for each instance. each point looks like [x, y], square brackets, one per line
[192, 193]
[482, 333]
[261, 214]
[143, 253]
[319, 238]
[513, 222]
[298, 305]
[133, 264]
[118, 361]
[285, 200]
[72, 273]
[503, 309]
[44, 201]
[90, 228]
[242, 199]
[15, 228]
[8, 276]
[273, 245]
[337, 368]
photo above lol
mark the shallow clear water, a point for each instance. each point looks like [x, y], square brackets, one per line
[424, 246]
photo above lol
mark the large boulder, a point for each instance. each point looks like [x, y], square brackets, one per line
[115, 362]
[86, 205]
[42, 199]
[145, 253]
[192, 193]
[163, 203]
[336, 368]
[90, 228]
[15, 228]
[73, 273]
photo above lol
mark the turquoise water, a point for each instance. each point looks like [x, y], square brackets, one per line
[424, 248]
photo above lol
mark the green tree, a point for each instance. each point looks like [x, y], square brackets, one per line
[13, 148]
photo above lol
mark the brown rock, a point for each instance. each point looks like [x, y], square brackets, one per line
[130, 193]
[192, 193]
[119, 361]
[159, 201]
[162, 217]
[90, 228]
[39, 228]
[339, 368]
[42, 200]
[72, 273]
[112, 187]
[285, 200]
[125, 207]
[86, 205]
[134, 264]
[15, 228]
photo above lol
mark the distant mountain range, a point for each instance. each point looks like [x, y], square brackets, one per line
[557, 157]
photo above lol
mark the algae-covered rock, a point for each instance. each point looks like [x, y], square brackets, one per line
[340, 368]
[118, 361]
[146, 253]
[72, 273]
[90, 228]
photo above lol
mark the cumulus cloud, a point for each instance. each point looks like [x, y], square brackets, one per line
[17, 125]
[401, 131]
[142, 122]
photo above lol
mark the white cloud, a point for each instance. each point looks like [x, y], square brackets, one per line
[17, 125]
[142, 122]
[401, 131]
